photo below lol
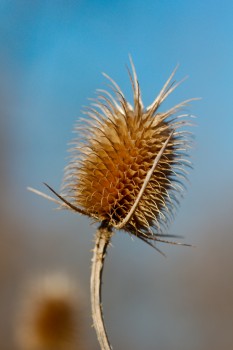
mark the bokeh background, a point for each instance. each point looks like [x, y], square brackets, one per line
[52, 54]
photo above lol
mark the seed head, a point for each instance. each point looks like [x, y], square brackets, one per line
[49, 319]
[116, 147]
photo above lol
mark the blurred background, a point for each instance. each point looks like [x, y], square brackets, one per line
[52, 56]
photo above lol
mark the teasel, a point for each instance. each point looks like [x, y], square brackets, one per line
[127, 170]
[50, 315]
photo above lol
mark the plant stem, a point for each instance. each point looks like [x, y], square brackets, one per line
[102, 240]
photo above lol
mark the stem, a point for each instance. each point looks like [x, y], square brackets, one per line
[102, 240]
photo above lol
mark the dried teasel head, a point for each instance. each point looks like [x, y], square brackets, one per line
[116, 147]
[49, 316]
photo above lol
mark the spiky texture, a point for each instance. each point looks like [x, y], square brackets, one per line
[116, 147]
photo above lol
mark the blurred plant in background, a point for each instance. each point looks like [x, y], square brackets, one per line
[51, 316]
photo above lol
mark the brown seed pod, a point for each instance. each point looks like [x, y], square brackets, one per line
[127, 170]
[49, 317]
[116, 147]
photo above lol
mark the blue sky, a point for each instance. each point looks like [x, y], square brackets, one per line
[53, 54]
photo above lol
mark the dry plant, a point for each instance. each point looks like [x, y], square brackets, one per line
[49, 316]
[127, 170]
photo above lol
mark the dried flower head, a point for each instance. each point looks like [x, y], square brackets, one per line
[116, 147]
[127, 170]
[49, 319]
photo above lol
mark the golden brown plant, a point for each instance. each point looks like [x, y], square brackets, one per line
[116, 147]
[49, 318]
[127, 170]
